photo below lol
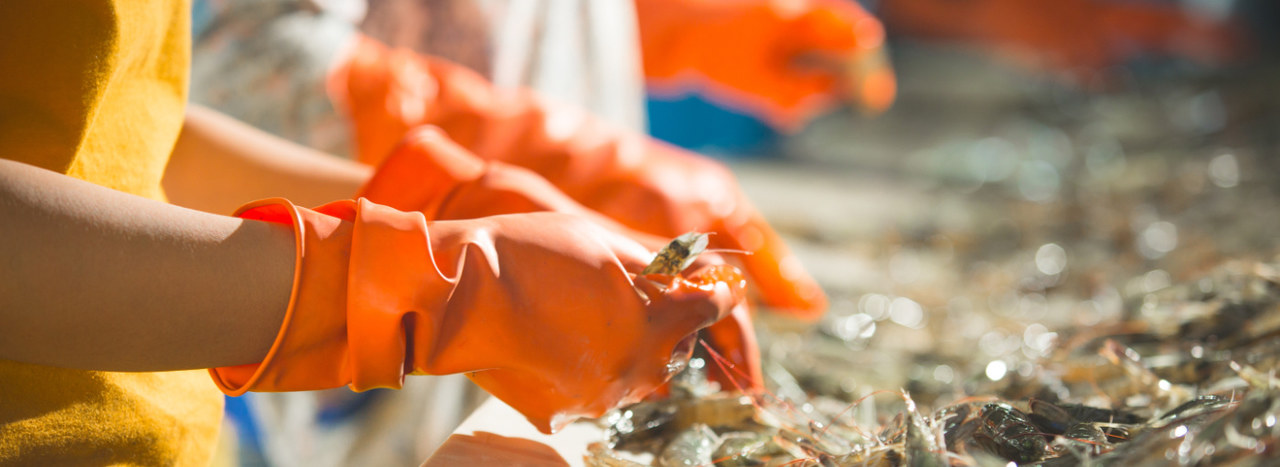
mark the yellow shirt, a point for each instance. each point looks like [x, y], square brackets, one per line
[96, 90]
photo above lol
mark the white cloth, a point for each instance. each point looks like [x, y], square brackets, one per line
[582, 52]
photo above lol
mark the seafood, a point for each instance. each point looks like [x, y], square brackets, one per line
[923, 443]
[599, 455]
[1078, 280]
[743, 449]
[677, 255]
[691, 447]
[1008, 432]
[1080, 422]
[1089, 434]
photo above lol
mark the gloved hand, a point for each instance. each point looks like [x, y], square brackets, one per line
[783, 60]
[1076, 37]
[645, 185]
[538, 309]
[431, 174]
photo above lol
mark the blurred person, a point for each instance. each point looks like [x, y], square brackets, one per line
[322, 57]
[1079, 40]
[803, 57]
[111, 291]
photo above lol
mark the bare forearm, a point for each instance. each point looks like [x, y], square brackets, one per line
[93, 278]
[218, 164]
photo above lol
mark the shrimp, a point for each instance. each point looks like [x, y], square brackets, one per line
[677, 255]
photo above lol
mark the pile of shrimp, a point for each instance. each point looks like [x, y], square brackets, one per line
[1190, 380]
[1084, 281]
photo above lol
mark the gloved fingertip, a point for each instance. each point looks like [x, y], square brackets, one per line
[805, 303]
[725, 274]
[689, 305]
[778, 277]
[877, 90]
[785, 287]
[869, 32]
[798, 296]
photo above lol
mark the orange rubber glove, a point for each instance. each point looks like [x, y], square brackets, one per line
[537, 309]
[431, 174]
[1079, 37]
[644, 184]
[783, 60]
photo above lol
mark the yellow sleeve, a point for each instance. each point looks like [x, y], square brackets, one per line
[94, 89]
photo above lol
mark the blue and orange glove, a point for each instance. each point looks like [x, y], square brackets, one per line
[785, 61]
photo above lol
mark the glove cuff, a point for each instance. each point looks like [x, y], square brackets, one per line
[360, 268]
[236, 380]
